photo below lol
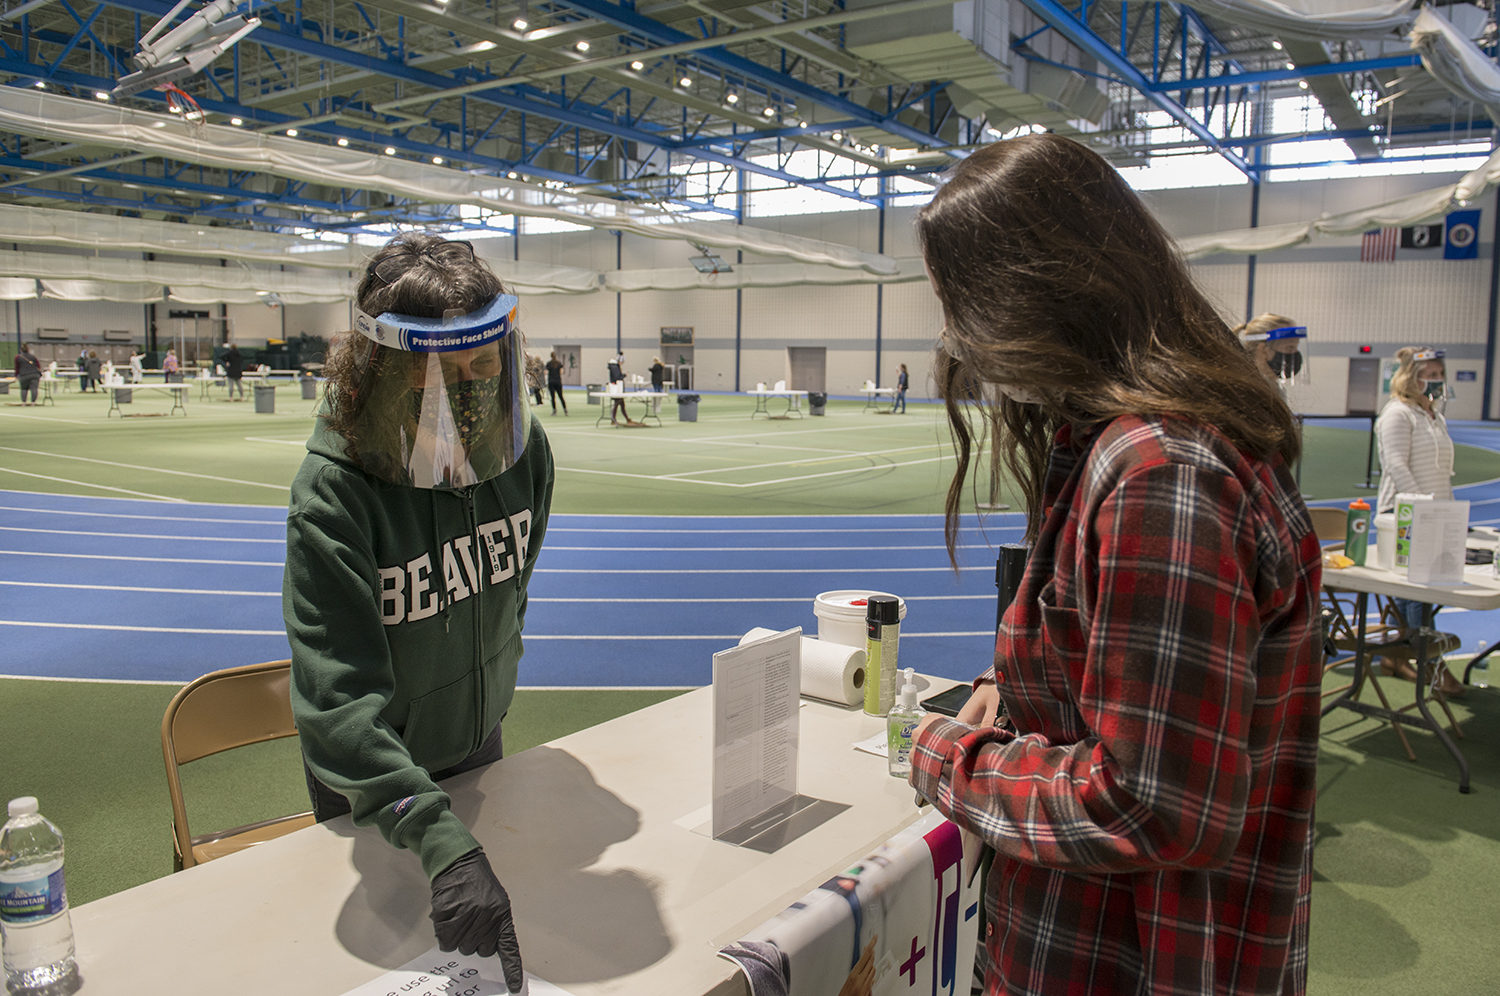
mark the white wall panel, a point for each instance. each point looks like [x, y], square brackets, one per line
[1442, 302]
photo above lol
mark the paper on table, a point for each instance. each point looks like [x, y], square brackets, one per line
[436, 973]
[755, 727]
[1439, 530]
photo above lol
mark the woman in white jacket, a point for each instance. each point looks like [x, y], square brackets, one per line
[1416, 455]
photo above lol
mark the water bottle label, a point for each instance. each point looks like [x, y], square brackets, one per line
[34, 900]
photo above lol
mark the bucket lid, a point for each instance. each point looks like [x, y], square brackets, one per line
[850, 603]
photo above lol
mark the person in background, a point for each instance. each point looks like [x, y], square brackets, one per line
[92, 368]
[1416, 456]
[617, 403]
[136, 359]
[413, 529]
[83, 369]
[234, 372]
[28, 371]
[657, 373]
[1274, 341]
[169, 365]
[555, 385]
[902, 380]
[535, 374]
[1150, 798]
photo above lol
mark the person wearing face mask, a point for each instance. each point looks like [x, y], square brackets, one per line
[413, 529]
[1275, 342]
[1149, 799]
[1416, 456]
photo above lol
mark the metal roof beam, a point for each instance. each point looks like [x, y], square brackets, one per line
[1286, 75]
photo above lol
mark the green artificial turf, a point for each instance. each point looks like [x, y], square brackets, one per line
[849, 461]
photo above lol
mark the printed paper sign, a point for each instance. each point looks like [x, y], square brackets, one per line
[437, 973]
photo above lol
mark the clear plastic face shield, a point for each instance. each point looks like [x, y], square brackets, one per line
[1432, 377]
[1015, 392]
[1279, 352]
[455, 412]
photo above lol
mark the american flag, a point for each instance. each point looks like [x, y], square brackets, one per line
[1379, 246]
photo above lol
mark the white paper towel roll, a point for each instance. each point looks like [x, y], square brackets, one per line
[830, 671]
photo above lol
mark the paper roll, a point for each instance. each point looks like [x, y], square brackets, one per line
[830, 671]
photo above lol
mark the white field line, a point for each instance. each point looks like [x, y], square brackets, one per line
[760, 484]
[279, 521]
[603, 688]
[740, 549]
[709, 636]
[144, 560]
[678, 441]
[161, 591]
[89, 681]
[741, 570]
[47, 418]
[205, 504]
[696, 601]
[155, 470]
[143, 629]
[87, 484]
[805, 460]
[149, 536]
[284, 442]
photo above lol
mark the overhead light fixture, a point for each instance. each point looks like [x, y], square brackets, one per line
[1302, 84]
[733, 98]
[1276, 45]
[801, 124]
[437, 160]
[343, 142]
[236, 121]
[1291, 65]
[686, 81]
[39, 85]
[291, 133]
[709, 262]
[390, 151]
[520, 24]
[100, 95]
[510, 176]
[582, 46]
[769, 112]
[174, 109]
[837, 136]
[637, 65]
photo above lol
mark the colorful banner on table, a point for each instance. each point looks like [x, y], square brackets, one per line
[902, 920]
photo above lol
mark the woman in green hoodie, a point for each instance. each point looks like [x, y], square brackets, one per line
[413, 528]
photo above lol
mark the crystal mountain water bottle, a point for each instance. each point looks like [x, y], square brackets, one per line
[36, 930]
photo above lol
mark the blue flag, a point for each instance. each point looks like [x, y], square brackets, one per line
[1462, 241]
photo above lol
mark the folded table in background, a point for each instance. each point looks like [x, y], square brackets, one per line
[645, 397]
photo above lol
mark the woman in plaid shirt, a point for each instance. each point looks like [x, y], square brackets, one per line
[1150, 798]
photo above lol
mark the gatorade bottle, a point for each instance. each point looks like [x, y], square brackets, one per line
[1357, 538]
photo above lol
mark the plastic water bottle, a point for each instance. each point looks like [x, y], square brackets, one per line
[1480, 677]
[35, 927]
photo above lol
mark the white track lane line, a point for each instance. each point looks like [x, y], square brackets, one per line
[86, 484]
[727, 549]
[154, 470]
[153, 536]
[675, 601]
[284, 442]
[805, 460]
[673, 636]
[736, 570]
[145, 629]
[759, 484]
[144, 560]
[167, 591]
[90, 681]
[280, 520]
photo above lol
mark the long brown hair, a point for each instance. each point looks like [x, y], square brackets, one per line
[437, 281]
[1056, 280]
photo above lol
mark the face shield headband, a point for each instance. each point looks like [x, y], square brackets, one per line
[447, 409]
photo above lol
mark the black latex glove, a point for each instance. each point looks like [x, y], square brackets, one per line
[471, 912]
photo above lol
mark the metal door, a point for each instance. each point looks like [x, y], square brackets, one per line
[807, 368]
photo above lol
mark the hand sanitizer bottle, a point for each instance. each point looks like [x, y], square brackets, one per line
[899, 725]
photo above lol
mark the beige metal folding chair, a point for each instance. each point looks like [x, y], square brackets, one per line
[232, 708]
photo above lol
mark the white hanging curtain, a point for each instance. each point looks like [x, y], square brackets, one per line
[17, 289]
[756, 275]
[1455, 61]
[1318, 19]
[91, 123]
[101, 290]
[212, 284]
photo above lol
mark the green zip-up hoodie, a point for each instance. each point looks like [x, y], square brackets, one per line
[404, 608]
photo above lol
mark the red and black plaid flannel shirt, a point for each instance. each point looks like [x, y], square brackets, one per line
[1152, 812]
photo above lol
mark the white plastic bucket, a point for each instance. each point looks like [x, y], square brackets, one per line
[1385, 540]
[841, 615]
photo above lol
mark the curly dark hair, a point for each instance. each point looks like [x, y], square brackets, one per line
[365, 378]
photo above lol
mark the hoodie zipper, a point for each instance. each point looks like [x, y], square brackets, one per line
[471, 525]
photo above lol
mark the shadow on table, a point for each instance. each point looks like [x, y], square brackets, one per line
[575, 925]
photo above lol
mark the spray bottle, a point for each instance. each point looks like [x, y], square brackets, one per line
[900, 724]
[882, 643]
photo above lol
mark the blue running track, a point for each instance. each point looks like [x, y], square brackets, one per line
[105, 588]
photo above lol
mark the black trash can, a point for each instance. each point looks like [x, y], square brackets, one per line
[309, 389]
[816, 402]
[592, 389]
[687, 407]
[265, 399]
[123, 395]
